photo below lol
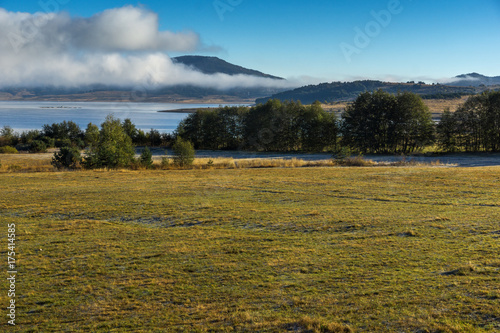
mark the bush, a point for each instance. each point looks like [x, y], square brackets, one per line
[38, 146]
[67, 157]
[183, 153]
[165, 162]
[8, 150]
[146, 158]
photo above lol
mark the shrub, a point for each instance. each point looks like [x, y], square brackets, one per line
[8, 150]
[67, 157]
[357, 161]
[146, 158]
[183, 153]
[38, 146]
[342, 153]
[165, 162]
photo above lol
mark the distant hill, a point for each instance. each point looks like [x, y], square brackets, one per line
[474, 80]
[347, 91]
[213, 65]
[176, 94]
[179, 93]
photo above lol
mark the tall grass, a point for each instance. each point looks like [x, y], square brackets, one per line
[42, 163]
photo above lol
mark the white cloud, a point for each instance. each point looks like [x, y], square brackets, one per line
[121, 46]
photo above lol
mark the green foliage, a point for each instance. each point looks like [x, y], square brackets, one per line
[27, 137]
[141, 138]
[273, 126]
[183, 152]
[67, 157]
[114, 148]
[59, 143]
[146, 158]
[38, 146]
[318, 128]
[379, 122]
[50, 142]
[8, 137]
[64, 132]
[130, 129]
[447, 132]
[7, 131]
[154, 138]
[8, 150]
[475, 126]
[91, 136]
[214, 129]
[342, 153]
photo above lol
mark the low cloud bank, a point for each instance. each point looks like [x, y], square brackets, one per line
[119, 47]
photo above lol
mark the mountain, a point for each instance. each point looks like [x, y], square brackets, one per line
[348, 91]
[171, 94]
[474, 80]
[213, 65]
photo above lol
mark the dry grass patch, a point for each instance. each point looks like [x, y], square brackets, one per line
[26, 162]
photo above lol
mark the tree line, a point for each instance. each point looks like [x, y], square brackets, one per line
[376, 122]
[111, 146]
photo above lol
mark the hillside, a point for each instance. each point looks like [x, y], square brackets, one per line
[347, 91]
[172, 94]
[176, 94]
[475, 80]
[213, 65]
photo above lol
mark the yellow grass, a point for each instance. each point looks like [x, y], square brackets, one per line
[436, 106]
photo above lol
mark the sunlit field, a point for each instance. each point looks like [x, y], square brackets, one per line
[324, 249]
[436, 106]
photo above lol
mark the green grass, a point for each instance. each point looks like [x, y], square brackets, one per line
[256, 250]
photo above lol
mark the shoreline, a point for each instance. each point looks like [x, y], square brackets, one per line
[189, 110]
[186, 110]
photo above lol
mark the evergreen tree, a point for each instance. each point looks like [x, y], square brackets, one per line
[146, 158]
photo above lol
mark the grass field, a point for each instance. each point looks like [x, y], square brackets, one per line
[255, 250]
[436, 106]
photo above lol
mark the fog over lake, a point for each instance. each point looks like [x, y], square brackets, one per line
[23, 116]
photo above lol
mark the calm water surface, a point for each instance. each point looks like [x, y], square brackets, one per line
[23, 116]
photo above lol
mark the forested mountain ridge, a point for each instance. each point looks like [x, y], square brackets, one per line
[348, 91]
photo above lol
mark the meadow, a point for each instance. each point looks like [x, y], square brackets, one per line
[436, 106]
[306, 249]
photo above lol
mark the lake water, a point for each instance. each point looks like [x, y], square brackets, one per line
[23, 116]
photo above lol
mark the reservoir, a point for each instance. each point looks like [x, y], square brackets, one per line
[22, 116]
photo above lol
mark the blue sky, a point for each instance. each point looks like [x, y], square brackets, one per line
[422, 39]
